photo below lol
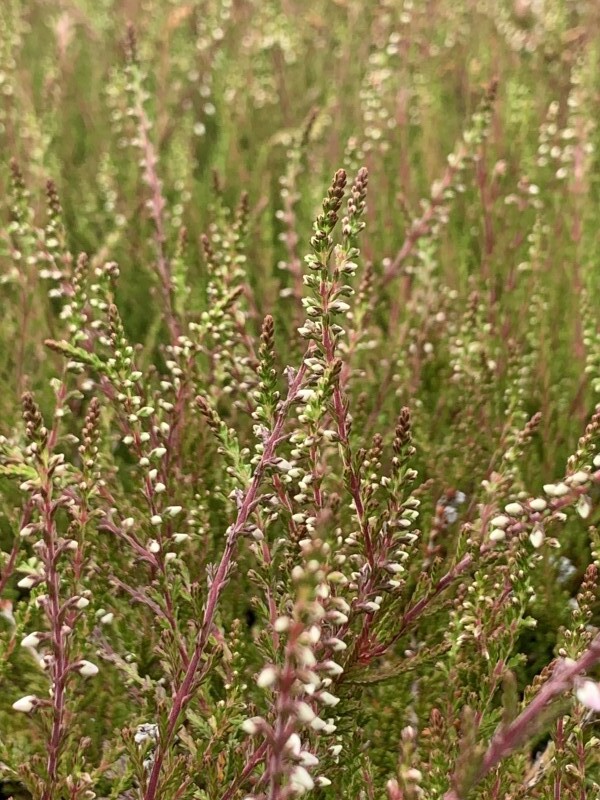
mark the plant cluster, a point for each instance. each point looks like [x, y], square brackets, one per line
[299, 465]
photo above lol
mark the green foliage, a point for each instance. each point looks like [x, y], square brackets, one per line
[299, 495]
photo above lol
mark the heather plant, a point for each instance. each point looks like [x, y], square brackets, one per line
[299, 436]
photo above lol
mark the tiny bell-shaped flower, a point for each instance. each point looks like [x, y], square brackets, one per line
[25, 704]
[537, 537]
[588, 694]
[87, 669]
[538, 504]
[584, 506]
[266, 678]
[514, 509]
[252, 726]
[31, 640]
[300, 780]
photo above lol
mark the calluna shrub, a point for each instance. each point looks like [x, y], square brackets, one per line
[299, 495]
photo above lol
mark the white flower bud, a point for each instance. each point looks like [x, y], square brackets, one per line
[497, 535]
[153, 546]
[87, 668]
[337, 644]
[179, 538]
[588, 694]
[27, 582]
[26, 531]
[308, 759]
[514, 509]
[127, 523]
[252, 725]
[294, 744]
[25, 704]
[332, 668]
[156, 519]
[300, 780]
[579, 477]
[281, 624]
[82, 602]
[584, 506]
[556, 489]
[159, 488]
[106, 619]
[266, 678]
[500, 521]
[329, 699]
[538, 504]
[537, 537]
[173, 511]
[304, 712]
[31, 640]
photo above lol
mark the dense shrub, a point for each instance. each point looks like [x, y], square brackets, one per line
[299, 495]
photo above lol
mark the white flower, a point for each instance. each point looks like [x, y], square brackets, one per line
[329, 699]
[323, 781]
[159, 488]
[514, 509]
[82, 602]
[332, 668]
[156, 519]
[281, 624]
[300, 780]
[579, 477]
[497, 535]
[106, 619]
[87, 668]
[538, 504]
[145, 732]
[556, 489]
[127, 523]
[308, 759]
[252, 725]
[500, 521]
[335, 750]
[31, 640]
[179, 538]
[318, 724]
[26, 531]
[584, 506]
[294, 744]
[266, 678]
[304, 712]
[537, 537]
[25, 704]
[173, 511]
[588, 694]
[27, 582]
[153, 546]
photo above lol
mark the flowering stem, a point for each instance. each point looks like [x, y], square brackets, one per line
[508, 738]
[184, 693]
